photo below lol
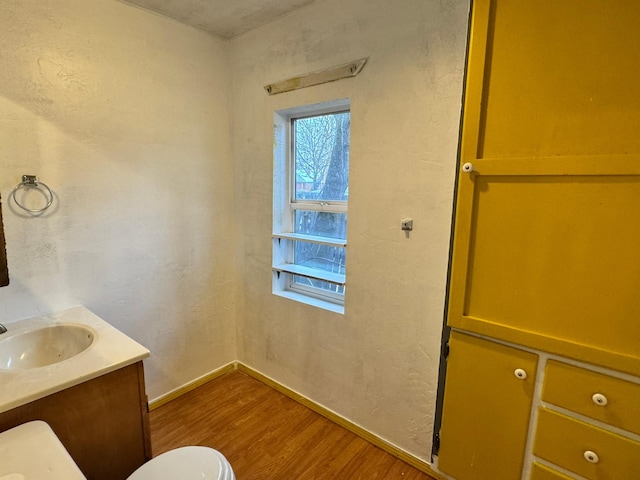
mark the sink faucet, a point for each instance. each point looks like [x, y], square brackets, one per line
[2, 329]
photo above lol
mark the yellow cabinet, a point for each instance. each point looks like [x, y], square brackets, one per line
[487, 404]
[585, 449]
[546, 219]
[595, 395]
[542, 472]
[546, 231]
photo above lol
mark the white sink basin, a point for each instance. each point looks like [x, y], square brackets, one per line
[43, 346]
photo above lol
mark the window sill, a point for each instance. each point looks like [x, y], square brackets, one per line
[314, 302]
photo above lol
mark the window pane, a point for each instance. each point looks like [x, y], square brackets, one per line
[310, 282]
[323, 224]
[321, 257]
[321, 157]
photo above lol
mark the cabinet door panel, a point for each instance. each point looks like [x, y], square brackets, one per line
[541, 255]
[563, 80]
[486, 409]
[546, 218]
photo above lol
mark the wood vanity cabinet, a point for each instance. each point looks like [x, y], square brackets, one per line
[103, 422]
[486, 411]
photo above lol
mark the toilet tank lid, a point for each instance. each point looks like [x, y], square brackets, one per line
[20, 445]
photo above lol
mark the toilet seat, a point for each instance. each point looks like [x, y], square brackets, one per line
[186, 463]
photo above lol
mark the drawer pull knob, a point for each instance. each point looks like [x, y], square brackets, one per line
[591, 457]
[599, 399]
[520, 373]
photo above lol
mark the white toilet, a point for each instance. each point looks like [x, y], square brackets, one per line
[186, 463]
[19, 445]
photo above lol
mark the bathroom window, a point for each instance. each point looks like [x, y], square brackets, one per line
[311, 191]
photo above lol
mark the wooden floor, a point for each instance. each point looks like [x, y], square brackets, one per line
[266, 435]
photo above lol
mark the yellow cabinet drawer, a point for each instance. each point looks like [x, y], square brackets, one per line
[542, 472]
[605, 398]
[584, 449]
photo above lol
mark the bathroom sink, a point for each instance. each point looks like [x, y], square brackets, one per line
[43, 346]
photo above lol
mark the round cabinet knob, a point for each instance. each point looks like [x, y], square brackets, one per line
[591, 457]
[520, 373]
[599, 399]
[467, 167]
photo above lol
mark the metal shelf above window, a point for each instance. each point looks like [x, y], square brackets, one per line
[300, 237]
[337, 278]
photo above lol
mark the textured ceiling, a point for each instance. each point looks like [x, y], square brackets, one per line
[225, 18]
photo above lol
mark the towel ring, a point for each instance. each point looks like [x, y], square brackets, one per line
[31, 181]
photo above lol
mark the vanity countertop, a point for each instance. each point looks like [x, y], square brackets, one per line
[20, 445]
[110, 351]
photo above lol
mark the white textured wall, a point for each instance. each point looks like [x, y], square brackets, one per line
[377, 365]
[125, 115]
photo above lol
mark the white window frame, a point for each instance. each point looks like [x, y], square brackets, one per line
[284, 206]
